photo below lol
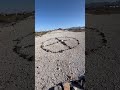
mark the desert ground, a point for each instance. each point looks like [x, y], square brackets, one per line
[59, 57]
[66, 61]
[102, 52]
[16, 65]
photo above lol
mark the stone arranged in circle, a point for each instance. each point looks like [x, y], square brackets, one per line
[59, 44]
[95, 41]
[24, 49]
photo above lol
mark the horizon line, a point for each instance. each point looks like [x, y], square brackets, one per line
[59, 28]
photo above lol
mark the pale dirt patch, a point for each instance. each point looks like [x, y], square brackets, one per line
[52, 67]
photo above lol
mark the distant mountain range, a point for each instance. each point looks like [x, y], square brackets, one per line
[102, 4]
[72, 28]
[76, 28]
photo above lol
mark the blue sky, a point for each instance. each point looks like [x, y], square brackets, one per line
[53, 14]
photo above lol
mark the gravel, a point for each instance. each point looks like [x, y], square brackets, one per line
[16, 71]
[102, 52]
[59, 57]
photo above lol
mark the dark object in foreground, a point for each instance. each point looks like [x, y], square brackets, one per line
[79, 84]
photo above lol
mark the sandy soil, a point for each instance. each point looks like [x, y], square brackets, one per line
[59, 57]
[16, 67]
[102, 52]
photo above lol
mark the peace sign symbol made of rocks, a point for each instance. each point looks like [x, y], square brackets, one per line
[59, 44]
[23, 49]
